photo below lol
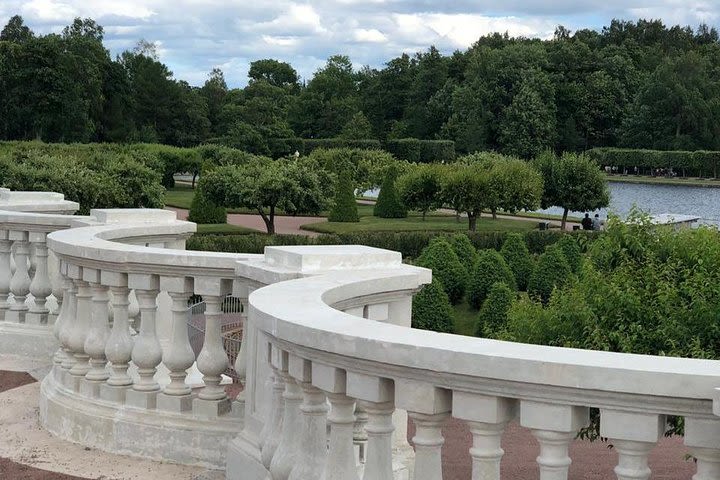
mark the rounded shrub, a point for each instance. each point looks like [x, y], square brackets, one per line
[552, 270]
[493, 314]
[388, 204]
[489, 268]
[431, 309]
[516, 254]
[572, 251]
[204, 210]
[447, 269]
[344, 207]
[465, 251]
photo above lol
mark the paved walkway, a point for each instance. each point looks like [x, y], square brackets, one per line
[283, 224]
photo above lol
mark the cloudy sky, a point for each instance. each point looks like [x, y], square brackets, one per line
[193, 36]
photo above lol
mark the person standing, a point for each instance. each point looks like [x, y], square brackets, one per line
[597, 223]
[587, 223]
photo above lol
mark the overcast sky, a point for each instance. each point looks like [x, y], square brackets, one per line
[193, 36]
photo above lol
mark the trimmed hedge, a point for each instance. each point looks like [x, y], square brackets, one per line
[431, 309]
[516, 254]
[493, 314]
[465, 251]
[310, 144]
[422, 151]
[204, 210]
[699, 163]
[344, 207]
[440, 257]
[489, 269]
[282, 147]
[552, 270]
[388, 203]
[409, 244]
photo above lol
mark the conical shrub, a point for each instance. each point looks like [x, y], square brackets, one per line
[493, 314]
[344, 207]
[552, 270]
[489, 268]
[388, 204]
[447, 269]
[431, 309]
[516, 254]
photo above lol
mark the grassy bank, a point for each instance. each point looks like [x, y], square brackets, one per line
[687, 181]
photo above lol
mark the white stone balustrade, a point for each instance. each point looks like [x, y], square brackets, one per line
[326, 345]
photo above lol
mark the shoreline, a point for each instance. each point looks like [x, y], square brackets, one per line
[675, 182]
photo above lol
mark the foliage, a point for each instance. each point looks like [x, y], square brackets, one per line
[465, 251]
[697, 163]
[266, 186]
[572, 252]
[431, 309]
[389, 204]
[358, 128]
[466, 188]
[312, 144]
[344, 207]
[420, 188]
[489, 268]
[368, 168]
[422, 151]
[447, 268]
[572, 182]
[515, 252]
[552, 270]
[203, 210]
[493, 313]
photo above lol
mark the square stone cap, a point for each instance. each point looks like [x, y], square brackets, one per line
[315, 258]
[133, 215]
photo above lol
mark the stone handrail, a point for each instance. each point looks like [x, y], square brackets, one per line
[316, 352]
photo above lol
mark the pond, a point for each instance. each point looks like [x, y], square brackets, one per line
[703, 202]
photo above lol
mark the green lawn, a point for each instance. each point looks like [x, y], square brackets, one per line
[694, 182]
[465, 319]
[179, 197]
[448, 223]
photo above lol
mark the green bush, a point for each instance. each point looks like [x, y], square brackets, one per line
[388, 204]
[447, 269]
[571, 249]
[698, 163]
[551, 271]
[422, 151]
[489, 268]
[465, 251]
[431, 309]
[344, 207]
[368, 168]
[203, 210]
[493, 314]
[282, 147]
[310, 144]
[516, 254]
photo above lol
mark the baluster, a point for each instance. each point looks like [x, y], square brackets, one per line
[212, 361]
[312, 449]
[58, 287]
[40, 286]
[69, 319]
[119, 345]
[273, 426]
[554, 426]
[487, 418]
[633, 435]
[179, 355]
[79, 329]
[99, 331]
[20, 282]
[5, 273]
[240, 365]
[428, 407]
[61, 320]
[147, 352]
[702, 437]
[376, 397]
[360, 437]
[340, 463]
[287, 450]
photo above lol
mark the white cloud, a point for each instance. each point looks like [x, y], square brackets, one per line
[371, 35]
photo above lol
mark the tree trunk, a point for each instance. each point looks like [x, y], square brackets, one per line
[494, 213]
[269, 220]
[423, 215]
[564, 219]
[472, 221]
[193, 180]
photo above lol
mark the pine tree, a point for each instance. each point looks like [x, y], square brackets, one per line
[388, 204]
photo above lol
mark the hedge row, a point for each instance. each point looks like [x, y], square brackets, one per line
[410, 244]
[422, 151]
[700, 163]
[281, 147]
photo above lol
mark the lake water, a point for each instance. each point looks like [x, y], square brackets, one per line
[654, 199]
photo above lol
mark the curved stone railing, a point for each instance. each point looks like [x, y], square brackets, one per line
[326, 342]
[314, 351]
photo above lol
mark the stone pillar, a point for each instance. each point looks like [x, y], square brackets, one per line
[270, 435]
[80, 327]
[487, 417]
[99, 330]
[70, 317]
[286, 454]
[119, 346]
[554, 427]
[20, 282]
[147, 352]
[702, 437]
[5, 272]
[40, 286]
